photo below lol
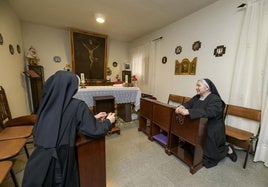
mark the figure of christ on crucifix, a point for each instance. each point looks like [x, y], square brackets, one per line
[91, 47]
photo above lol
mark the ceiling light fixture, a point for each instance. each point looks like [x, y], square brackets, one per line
[100, 18]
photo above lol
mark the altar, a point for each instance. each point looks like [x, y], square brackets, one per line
[124, 96]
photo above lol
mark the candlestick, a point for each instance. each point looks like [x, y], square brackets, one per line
[126, 78]
[82, 75]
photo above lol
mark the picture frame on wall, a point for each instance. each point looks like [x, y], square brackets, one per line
[127, 66]
[219, 51]
[89, 54]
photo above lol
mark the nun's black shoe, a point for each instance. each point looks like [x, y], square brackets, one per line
[233, 155]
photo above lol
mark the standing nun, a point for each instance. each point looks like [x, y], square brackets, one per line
[53, 162]
[207, 103]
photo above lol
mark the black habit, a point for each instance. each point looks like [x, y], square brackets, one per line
[212, 107]
[60, 116]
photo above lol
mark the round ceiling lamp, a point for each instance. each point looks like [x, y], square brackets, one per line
[100, 18]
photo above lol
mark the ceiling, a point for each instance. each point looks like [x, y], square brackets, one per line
[126, 20]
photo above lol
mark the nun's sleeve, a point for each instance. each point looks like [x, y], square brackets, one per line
[88, 125]
[212, 110]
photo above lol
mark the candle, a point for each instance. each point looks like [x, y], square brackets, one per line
[82, 76]
[126, 78]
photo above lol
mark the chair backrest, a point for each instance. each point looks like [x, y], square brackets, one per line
[243, 112]
[186, 99]
[5, 113]
[175, 99]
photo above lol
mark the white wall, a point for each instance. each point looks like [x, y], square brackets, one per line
[12, 66]
[50, 42]
[117, 52]
[217, 24]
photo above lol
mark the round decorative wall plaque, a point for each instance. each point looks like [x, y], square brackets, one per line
[164, 60]
[1, 39]
[178, 50]
[114, 64]
[11, 49]
[57, 59]
[219, 50]
[196, 45]
[18, 49]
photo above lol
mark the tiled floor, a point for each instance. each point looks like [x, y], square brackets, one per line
[134, 161]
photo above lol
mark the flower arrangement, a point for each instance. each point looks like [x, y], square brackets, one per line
[134, 78]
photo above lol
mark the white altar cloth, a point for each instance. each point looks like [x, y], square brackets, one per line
[121, 94]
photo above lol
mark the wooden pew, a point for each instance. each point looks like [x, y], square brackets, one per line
[186, 140]
[146, 115]
[161, 121]
[175, 100]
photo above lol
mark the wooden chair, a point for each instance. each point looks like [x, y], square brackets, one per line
[20, 127]
[175, 99]
[6, 119]
[239, 137]
[5, 168]
[9, 149]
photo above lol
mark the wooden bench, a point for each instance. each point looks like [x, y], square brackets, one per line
[175, 99]
[240, 137]
[146, 115]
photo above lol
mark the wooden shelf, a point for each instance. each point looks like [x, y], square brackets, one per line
[161, 138]
[145, 129]
[182, 154]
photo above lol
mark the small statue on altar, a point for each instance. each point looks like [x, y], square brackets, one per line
[117, 77]
[32, 56]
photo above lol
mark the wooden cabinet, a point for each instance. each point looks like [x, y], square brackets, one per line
[91, 162]
[124, 111]
[186, 140]
[105, 104]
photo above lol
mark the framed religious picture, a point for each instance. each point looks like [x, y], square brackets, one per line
[11, 49]
[18, 49]
[89, 54]
[196, 45]
[178, 50]
[185, 67]
[219, 50]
